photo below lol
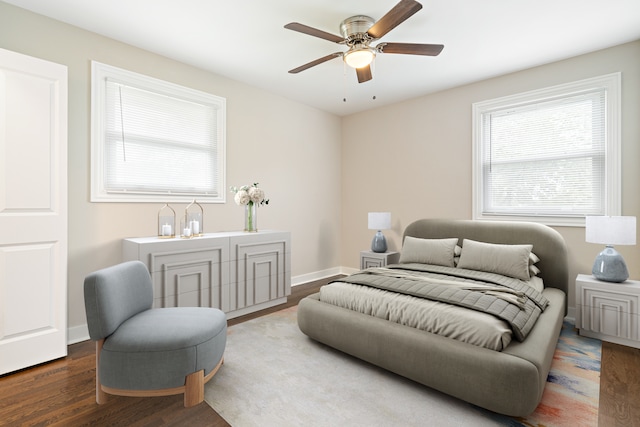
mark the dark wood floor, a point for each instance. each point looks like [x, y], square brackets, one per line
[619, 386]
[62, 392]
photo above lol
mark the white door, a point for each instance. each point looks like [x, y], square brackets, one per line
[33, 211]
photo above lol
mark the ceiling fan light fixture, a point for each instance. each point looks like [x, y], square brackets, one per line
[359, 32]
[359, 57]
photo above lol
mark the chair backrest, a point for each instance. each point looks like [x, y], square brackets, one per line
[115, 294]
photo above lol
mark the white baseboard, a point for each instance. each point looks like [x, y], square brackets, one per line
[349, 270]
[76, 334]
[323, 274]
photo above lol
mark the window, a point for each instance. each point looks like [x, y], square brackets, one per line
[551, 155]
[154, 141]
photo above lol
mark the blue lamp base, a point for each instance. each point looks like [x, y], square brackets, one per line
[379, 243]
[609, 266]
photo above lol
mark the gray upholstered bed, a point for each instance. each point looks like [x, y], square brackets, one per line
[510, 381]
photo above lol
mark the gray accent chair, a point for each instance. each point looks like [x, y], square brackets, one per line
[142, 351]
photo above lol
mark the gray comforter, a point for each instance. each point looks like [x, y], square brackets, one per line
[509, 299]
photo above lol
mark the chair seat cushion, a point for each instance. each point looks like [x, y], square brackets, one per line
[158, 348]
[167, 329]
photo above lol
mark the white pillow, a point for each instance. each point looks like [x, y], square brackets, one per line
[456, 254]
[428, 251]
[533, 270]
[533, 258]
[508, 260]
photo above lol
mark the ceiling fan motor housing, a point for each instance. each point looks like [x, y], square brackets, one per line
[354, 30]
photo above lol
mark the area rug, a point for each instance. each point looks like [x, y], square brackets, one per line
[274, 375]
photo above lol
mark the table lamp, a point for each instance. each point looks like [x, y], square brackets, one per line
[379, 221]
[609, 266]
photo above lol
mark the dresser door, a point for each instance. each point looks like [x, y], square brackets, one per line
[259, 269]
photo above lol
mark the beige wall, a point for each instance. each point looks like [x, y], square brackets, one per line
[413, 159]
[292, 150]
[322, 173]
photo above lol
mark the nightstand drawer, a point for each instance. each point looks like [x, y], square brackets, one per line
[370, 259]
[608, 311]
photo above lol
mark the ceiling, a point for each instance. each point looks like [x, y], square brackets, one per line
[246, 40]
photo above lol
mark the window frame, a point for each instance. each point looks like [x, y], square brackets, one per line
[611, 83]
[100, 73]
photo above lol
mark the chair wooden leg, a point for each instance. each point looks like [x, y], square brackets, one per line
[194, 389]
[101, 396]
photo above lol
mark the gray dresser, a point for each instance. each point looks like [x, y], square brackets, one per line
[237, 272]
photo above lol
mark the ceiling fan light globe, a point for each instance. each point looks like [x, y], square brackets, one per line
[359, 58]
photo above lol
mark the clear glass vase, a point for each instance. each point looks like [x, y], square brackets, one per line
[251, 217]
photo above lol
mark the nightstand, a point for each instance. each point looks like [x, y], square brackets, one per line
[608, 311]
[370, 259]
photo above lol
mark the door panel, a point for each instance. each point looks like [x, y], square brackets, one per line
[33, 211]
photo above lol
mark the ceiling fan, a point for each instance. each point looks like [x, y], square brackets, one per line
[358, 32]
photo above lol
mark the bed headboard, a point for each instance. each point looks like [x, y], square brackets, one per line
[547, 243]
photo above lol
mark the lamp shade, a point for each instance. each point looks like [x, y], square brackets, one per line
[611, 230]
[379, 220]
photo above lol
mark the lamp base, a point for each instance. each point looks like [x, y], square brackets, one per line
[379, 243]
[609, 266]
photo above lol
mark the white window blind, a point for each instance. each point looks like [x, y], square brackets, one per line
[156, 141]
[547, 156]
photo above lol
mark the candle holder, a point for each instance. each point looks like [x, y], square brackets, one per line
[166, 222]
[193, 219]
[185, 229]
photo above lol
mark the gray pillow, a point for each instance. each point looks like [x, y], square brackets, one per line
[508, 260]
[428, 251]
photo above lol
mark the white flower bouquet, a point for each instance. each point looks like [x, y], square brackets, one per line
[249, 194]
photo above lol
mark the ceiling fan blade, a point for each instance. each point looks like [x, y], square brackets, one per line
[364, 74]
[305, 29]
[396, 16]
[316, 62]
[411, 48]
